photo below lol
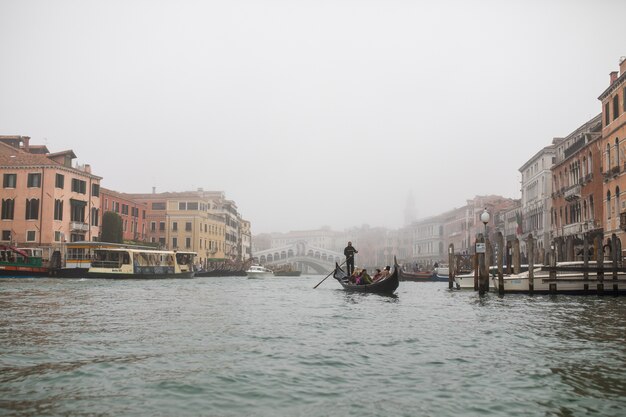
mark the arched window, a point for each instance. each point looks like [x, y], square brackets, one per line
[615, 107]
[584, 166]
[616, 151]
[608, 204]
[590, 166]
[608, 157]
[617, 209]
[585, 213]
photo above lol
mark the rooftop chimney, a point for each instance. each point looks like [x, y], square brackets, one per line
[613, 76]
[153, 190]
[26, 140]
[88, 168]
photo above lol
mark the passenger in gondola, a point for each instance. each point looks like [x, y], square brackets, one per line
[355, 277]
[385, 273]
[377, 275]
[365, 278]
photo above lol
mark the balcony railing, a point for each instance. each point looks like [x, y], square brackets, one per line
[79, 226]
[572, 193]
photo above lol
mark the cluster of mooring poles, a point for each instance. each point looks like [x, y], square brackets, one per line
[508, 261]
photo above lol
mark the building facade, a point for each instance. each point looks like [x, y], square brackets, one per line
[613, 144]
[45, 200]
[133, 214]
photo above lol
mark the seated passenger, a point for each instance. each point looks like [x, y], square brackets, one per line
[377, 275]
[386, 272]
[365, 278]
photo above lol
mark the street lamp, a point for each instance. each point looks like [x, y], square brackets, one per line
[484, 217]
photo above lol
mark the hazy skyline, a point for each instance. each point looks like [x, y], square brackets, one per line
[307, 113]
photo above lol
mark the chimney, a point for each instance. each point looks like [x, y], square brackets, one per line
[622, 65]
[153, 190]
[88, 168]
[613, 76]
[26, 141]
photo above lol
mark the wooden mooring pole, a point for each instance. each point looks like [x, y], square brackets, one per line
[500, 261]
[530, 248]
[600, 264]
[616, 258]
[451, 266]
[553, 270]
[586, 264]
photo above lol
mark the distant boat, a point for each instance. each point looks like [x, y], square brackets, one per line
[21, 262]
[259, 271]
[412, 276]
[287, 273]
[385, 286]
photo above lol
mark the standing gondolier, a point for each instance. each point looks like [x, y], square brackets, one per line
[349, 251]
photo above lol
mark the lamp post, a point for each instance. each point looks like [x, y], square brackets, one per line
[484, 217]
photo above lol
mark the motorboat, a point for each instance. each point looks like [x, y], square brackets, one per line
[259, 271]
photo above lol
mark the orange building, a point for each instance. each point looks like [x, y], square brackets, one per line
[613, 145]
[132, 212]
[577, 189]
[45, 201]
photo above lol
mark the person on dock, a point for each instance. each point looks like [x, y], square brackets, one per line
[349, 252]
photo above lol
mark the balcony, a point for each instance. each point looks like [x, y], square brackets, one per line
[572, 193]
[79, 227]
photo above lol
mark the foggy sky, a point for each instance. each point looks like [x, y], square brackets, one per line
[307, 113]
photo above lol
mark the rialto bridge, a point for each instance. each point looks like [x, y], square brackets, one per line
[301, 256]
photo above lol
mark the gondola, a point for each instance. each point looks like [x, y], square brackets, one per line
[413, 276]
[386, 286]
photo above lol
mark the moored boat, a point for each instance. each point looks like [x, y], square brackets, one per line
[127, 263]
[569, 279]
[412, 276]
[259, 271]
[441, 273]
[21, 262]
[385, 286]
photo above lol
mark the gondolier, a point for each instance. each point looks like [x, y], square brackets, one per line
[349, 252]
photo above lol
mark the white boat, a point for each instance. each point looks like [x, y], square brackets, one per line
[466, 281]
[567, 282]
[258, 271]
[127, 263]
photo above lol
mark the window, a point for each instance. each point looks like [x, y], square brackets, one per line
[192, 206]
[95, 190]
[174, 242]
[59, 181]
[615, 107]
[158, 206]
[30, 236]
[95, 216]
[182, 205]
[607, 117]
[8, 208]
[162, 241]
[9, 181]
[34, 180]
[79, 186]
[174, 226]
[153, 226]
[57, 236]
[6, 235]
[32, 209]
[125, 227]
[58, 209]
[77, 213]
[116, 206]
[188, 242]
[143, 214]
[162, 226]
[125, 209]
[188, 226]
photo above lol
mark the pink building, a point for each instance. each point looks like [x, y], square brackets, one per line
[132, 212]
[45, 201]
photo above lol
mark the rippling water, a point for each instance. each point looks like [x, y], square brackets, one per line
[276, 347]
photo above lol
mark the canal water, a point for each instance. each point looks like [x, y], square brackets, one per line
[277, 347]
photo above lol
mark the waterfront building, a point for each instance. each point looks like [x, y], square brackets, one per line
[201, 221]
[132, 213]
[577, 189]
[536, 202]
[427, 241]
[613, 144]
[45, 200]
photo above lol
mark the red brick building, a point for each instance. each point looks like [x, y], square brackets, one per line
[132, 212]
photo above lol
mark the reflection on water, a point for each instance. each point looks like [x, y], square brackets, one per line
[231, 346]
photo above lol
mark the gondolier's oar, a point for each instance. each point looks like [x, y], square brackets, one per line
[318, 284]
